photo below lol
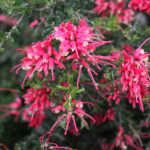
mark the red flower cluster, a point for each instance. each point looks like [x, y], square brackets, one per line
[122, 141]
[40, 56]
[140, 5]
[68, 114]
[77, 43]
[135, 79]
[76, 109]
[38, 98]
[76, 48]
[105, 8]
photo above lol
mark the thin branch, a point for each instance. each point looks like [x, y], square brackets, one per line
[11, 31]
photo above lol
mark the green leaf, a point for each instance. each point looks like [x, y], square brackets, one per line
[62, 88]
[80, 90]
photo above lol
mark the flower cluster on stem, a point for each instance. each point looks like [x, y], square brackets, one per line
[105, 8]
[135, 79]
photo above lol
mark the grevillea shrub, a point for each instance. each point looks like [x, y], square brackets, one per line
[74, 75]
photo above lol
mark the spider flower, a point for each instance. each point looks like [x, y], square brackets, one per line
[122, 141]
[106, 8]
[38, 102]
[78, 44]
[140, 5]
[69, 115]
[40, 57]
[135, 79]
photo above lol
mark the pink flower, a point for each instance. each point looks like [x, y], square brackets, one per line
[40, 57]
[105, 8]
[76, 109]
[116, 55]
[33, 24]
[39, 102]
[78, 40]
[125, 15]
[135, 79]
[112, 92]
[37, 21]
[140, 5]
[128, 48]
[8, 20]
[78, 43]
[123, 141]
